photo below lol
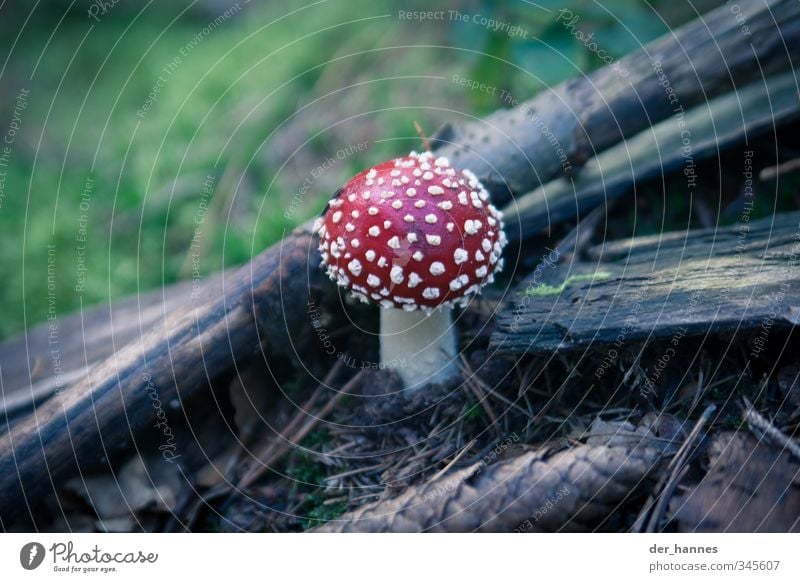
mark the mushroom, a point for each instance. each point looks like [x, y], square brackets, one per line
[417, 237]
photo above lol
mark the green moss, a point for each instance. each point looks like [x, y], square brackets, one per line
[545, 290]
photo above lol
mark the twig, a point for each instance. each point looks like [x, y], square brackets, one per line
[425, 143]
[284, 445]
[449, 465]
[762, 427]
[672, 476]
[773, 172]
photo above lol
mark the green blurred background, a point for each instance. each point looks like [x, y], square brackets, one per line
[243, 102]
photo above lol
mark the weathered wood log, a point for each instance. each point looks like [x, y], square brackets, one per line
[540, 491]
[676, 143]
[99, 416]
[743, 278]
[27, 371]
[519, 149]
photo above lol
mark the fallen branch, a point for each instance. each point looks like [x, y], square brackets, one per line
[713, 126]
[98, 417]
[516, 150]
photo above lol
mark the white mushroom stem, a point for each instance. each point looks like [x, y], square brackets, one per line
[420, 347]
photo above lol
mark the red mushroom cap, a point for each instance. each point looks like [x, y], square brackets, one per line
[412, 233]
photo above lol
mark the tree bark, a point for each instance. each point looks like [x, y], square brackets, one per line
[138, 386]
[734, 280]
[515, 150]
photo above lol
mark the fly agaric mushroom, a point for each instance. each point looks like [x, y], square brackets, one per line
[417, 237]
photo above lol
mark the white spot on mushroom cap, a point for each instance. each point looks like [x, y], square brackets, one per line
[417, 256]
[411, 192]
[436, 268]
[349, 227]
[408, 218]
[394, 242]
[471, 226]
[486, 245]
[433, 239]
[480, 272]
[387, 223]
[460, 256]
[430, 292]
[413, 280]
[370, 255]
[427, 176]
[434, 190]
[430, 219]
[397, 204]
[458, 282]
[411, 237]
[396, 274]
[355, 243]
[374, 231]
[382, 262]
[373, 280]
[354, 267]
[372, 210]
[337, 216]
[419, 203]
